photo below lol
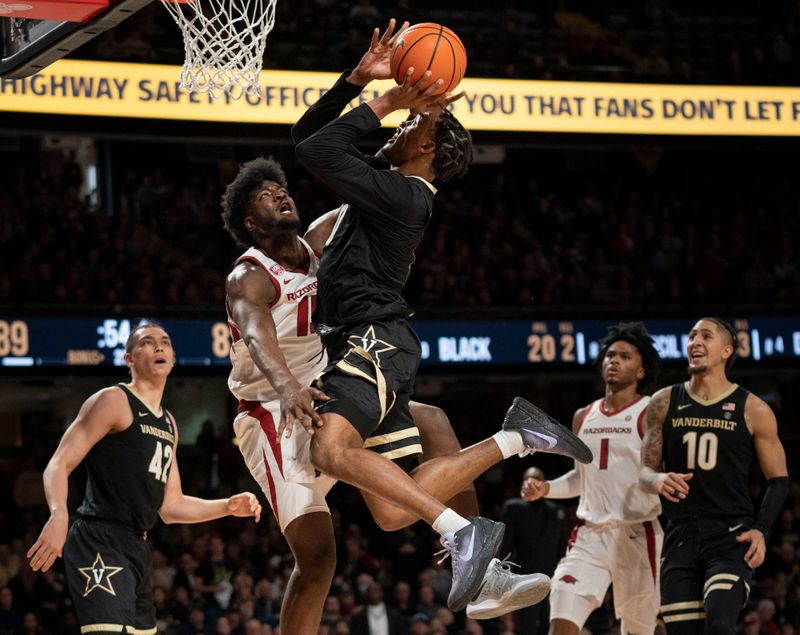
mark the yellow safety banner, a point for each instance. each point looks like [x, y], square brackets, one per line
[109, 89]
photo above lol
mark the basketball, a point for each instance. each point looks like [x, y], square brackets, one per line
[433, 47]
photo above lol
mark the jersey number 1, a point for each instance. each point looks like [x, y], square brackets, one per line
[162, 459]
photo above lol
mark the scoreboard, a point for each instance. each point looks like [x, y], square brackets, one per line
[50, 342]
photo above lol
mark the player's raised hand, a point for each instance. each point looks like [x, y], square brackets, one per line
[673, 486]
[413, 95]
[243, 505]
[297, 405]
[50, 543]
[375, 62]
[533, 489]
[438, 103]
[758, 549]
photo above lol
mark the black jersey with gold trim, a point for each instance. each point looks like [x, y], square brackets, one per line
[127, 471]
[712, 441]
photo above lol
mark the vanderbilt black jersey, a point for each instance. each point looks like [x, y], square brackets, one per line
[128, 471]
[366, 263]
[710, 440]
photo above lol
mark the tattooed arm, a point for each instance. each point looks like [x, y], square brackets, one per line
[652, 479]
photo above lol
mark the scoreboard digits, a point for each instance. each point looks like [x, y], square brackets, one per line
[65, 341]
[14, 338]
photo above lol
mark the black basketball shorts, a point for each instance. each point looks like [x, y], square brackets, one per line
[370, 379]
[700, 556]
[108, 575]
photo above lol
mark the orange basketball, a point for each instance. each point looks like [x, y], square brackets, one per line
[433, 47]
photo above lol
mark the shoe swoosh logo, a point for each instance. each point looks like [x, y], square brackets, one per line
[735, 527]
[467, 555]
[683, 406]
[551, 441]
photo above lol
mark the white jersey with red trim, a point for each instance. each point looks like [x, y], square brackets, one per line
[610, 490]
[295, 300]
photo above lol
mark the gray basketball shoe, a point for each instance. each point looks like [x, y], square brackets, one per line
[541, 433]
[472, 549]
[503, 591]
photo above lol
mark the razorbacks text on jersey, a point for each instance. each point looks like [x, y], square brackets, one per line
[711, 440]
[610, 483]
[127, 471]
[292, 309]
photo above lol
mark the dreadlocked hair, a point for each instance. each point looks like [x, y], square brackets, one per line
[635, 334]
[453, 148]
[236, 199]
[725, 328]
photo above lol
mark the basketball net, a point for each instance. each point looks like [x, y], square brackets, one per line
[224, 42]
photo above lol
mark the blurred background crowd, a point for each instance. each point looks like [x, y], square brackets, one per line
[540, 226]
[227, 577]
[653, 41]
[598, 228]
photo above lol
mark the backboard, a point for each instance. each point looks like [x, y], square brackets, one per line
[29, 45]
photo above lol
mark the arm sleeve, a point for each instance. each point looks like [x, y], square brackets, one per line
[327, 108]
[566, 486]
[386, 194]
[777, 489]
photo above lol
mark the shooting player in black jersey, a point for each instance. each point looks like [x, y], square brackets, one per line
[361, 316]
[129, 442]
[699, 445]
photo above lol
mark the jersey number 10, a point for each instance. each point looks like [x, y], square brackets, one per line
[701, 452]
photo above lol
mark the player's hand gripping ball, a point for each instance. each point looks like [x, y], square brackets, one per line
[433, 47]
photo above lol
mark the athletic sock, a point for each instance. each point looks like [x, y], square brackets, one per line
[449, 522]
[509, 442]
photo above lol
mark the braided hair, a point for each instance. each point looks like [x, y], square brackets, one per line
[236, 199]
[453, 147]
[635, 334]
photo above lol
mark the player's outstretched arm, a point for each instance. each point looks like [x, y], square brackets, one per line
[250, 293]
[179, 508]
[671, 485]
[772, 457]
[375, 64]
[101, 413]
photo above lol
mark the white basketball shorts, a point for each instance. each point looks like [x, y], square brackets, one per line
[626, 556]
[282, 468]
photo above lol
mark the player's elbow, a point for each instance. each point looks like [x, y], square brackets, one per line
[315, 155]
[167, 513]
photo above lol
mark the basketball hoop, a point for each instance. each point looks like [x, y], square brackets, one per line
[224, 42]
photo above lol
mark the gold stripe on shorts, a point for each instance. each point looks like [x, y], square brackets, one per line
[379, 380]
[381, 439]
[399, 453]
[95, 628]
[683, 617]
[142, 631]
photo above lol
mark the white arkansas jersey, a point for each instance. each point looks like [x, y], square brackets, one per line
[295, 300]
[610, 483]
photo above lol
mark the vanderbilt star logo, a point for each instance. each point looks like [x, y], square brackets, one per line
[99, 576]
[371, 344]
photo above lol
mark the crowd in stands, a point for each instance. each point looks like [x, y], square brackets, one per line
[571, 39]
[227, 577]
[714, 226]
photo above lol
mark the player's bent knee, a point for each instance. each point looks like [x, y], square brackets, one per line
[393, 520]
[436, 432]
